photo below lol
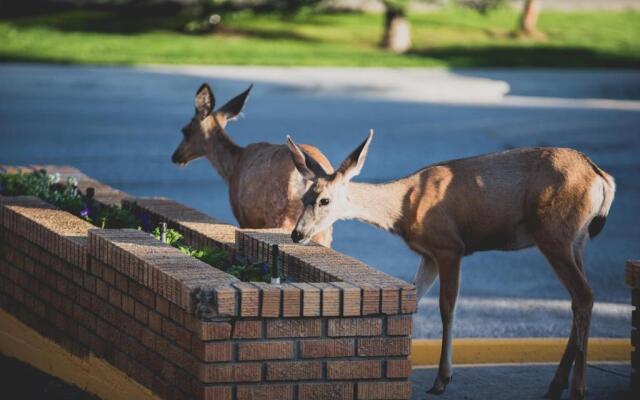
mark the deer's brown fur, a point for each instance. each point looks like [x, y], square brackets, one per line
[264, 186]
[552, 198]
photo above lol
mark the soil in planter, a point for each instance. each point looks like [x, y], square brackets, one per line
[67, 197]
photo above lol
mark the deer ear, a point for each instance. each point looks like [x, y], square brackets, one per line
[234, 106]
[204, 101]
[352, 165]
[308, 167]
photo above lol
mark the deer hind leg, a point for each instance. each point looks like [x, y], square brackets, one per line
[569, 268]
[426, 274]
[560, 380]
[449, 269]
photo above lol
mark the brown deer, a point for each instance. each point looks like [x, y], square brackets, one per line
[552, 198]
[264, 186]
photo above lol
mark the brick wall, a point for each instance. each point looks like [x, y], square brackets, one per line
[633, 280]
[337, 329]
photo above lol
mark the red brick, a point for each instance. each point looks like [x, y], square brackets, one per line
[226, 300]
[325, 391]
[247, 329]
[291, 301]
[245, 372]
[270, 297]
[115, 297]
[249, 299]
[155, 321]
[398, 368]
[310, 299]
[390, 300]
[330, 299]
[351, 298]
[211, 351]
[354, 327]
[327, 348]
[399, 325]
[294, 328]
[214, 330]
[265, 392]
[183, 338]
[384, 347]
[215, 393]
[102, 289]
[348, 370]
[141, 312]
[266, 350]
[384, 390]
[408, 299]
[128, 304]
[294, 371]
[370, 299]
[168, 329]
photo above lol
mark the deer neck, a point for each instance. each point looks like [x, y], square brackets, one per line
[223, 154]
[376, 204]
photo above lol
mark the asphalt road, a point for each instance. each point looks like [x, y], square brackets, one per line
[120, 125]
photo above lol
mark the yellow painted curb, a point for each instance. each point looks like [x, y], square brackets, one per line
[91, 374]
[520, 350]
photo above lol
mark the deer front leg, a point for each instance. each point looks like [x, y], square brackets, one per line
[449, 268]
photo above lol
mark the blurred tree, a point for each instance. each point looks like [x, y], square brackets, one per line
[397, 30]
[529, 17]
[482, 6]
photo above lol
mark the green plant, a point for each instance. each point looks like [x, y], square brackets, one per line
[215, 257]
[46, 187]
[67, 197]
[255, 272]
[241, 269]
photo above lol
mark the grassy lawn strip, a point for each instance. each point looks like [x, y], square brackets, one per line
[451, 37]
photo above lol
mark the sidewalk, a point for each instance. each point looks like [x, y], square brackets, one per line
[605, 381]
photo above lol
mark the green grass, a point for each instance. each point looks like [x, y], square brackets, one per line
[453, 37]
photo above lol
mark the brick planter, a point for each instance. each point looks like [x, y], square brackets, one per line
[336, 329]
[633, 280]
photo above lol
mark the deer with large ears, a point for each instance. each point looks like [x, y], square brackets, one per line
[264, 186]
[552, 198]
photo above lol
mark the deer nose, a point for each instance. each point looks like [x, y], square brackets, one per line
[296, 236]
[175, 158]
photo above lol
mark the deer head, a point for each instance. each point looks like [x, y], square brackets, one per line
[326, 200]
[205, 124]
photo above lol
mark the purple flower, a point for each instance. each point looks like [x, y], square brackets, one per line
[85, 212]
[264, 267]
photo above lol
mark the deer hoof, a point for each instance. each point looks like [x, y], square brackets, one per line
[440, 385]
[555, 391]
[577, 394]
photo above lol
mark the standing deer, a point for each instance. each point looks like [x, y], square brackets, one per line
[264, 186]
[552, 198]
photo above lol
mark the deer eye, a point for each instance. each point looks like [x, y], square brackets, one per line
[324, 202]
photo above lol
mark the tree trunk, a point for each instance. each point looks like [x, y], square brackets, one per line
[397, 31]
[529, 18]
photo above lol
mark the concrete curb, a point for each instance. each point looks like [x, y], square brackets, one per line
[515, 350]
